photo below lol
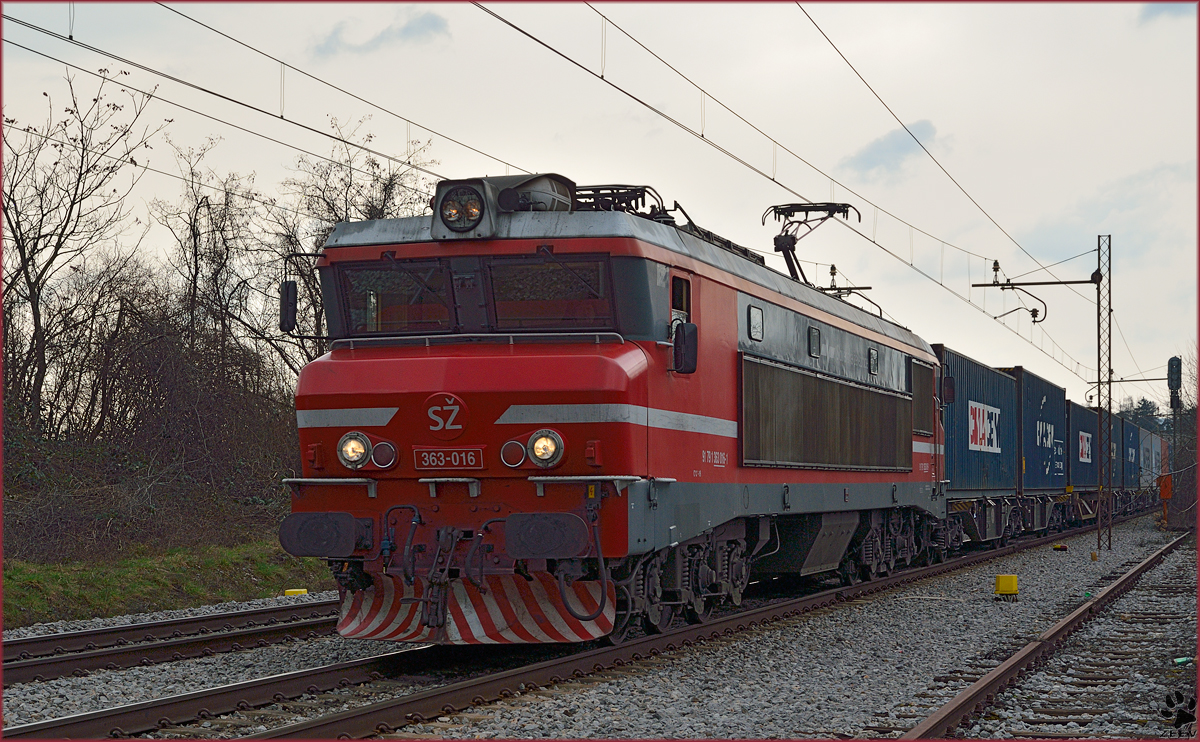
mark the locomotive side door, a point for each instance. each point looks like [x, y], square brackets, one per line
[669, 452]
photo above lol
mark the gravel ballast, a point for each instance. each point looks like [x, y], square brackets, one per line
[835, 671]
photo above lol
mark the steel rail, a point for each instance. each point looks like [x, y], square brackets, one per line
[385, 717]
[163, 650]
[941, 723]
[147, 716]
[111, 636]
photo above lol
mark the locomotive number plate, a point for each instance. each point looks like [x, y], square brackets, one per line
[448, 458]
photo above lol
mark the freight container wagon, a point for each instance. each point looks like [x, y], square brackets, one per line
[981, 445]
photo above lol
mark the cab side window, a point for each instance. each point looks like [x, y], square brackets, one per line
[681, 303]
[681, 299]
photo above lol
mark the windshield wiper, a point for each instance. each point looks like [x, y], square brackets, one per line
[545, 250]
[425, 287]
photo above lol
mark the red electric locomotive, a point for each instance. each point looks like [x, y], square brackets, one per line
[551, 413]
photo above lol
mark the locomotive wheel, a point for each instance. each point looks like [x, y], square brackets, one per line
[620, 634]
[849, 572]
[699, 610]
[739, 573]
[658, 616]
[624, 621]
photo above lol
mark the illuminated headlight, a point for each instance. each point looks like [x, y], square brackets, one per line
[354, 450]
[545, 448]
[462, 208]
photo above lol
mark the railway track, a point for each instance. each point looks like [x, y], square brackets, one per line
[374, 682]
[118, 647]
[1091, 670]
[358, 699]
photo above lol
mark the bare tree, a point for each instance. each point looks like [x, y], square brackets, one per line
[351, 184]
[61, 199]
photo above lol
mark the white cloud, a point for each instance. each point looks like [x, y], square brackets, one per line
[417, 29]
[888, 153]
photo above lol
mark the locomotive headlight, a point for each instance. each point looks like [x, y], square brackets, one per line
[354, 450]
[462, 209]
[545, 448]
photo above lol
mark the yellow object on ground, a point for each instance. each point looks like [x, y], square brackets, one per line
[296, 591]
[1006, 584]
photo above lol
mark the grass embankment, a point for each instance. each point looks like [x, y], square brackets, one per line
[180, 578]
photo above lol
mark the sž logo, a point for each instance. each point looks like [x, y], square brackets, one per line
[983, 428]
[447, 415]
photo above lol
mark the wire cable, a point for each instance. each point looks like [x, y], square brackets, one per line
[158, 97]
[222, 96]
[341, 90]
[935, 160]
[754, 169]
[776, 142]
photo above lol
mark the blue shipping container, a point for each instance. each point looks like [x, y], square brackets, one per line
[1131, 455]
[981, 427]
[1081, 448]
[1041, 433]
[1115, 443]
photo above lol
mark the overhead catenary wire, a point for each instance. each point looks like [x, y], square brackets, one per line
[744, 163]
[926, 150]
[221, 96]
[342, 90]
[971, 198]
[774, 142]
[211, 117]
[76, 145]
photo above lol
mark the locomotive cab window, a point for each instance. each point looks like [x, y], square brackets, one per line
[397, 297]
[572, 292]
[814, 342]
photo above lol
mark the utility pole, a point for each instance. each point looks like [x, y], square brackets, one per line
[1174, 383]
[1102, 279]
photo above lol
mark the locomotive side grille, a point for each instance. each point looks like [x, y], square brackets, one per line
[922, 389]
[794, 418]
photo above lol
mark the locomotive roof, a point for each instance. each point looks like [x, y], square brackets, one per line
[596, 224]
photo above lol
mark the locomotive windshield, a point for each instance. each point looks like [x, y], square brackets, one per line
[522, 294]
[551, 294]
[398, 297]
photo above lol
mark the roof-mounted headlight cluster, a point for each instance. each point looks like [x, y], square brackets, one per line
[468, 209]
[462, 209]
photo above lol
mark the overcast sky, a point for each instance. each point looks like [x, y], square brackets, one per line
[1062, 121]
